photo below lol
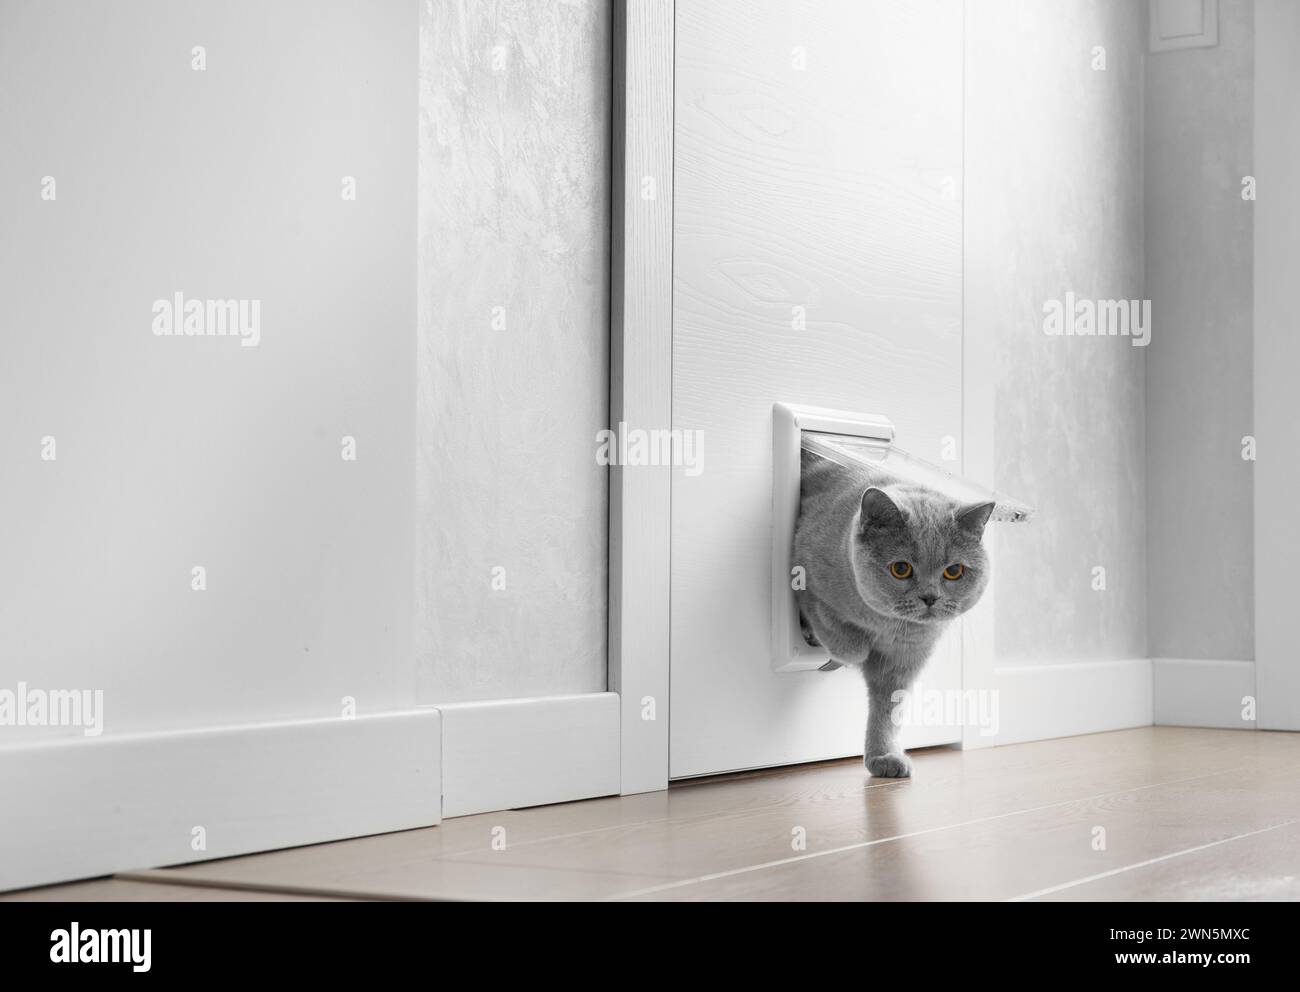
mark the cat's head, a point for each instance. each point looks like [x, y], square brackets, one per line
[918, 555]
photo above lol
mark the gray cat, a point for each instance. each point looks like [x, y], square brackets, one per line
[888, 564]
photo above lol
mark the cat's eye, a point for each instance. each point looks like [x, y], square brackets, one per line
[954, 572]
[901, 569]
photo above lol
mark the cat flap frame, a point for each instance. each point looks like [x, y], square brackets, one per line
[841, 436]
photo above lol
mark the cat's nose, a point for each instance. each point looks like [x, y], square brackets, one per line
[929, 599]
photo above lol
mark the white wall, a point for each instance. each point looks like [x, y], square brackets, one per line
[514, 214]
[1277, 256]
[1199, 259]
[176, 452]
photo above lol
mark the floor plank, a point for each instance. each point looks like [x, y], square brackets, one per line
[1008, 822]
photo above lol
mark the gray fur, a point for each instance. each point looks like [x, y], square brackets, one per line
[854, 521]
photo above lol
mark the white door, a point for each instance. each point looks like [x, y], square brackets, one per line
[817, 260]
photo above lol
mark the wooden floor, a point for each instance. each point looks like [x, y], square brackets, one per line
[1152, 813]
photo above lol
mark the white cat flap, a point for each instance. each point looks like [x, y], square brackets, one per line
[845, 438]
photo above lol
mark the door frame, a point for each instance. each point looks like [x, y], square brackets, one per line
[640, 383]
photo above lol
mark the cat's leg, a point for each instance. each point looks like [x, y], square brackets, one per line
[884, 756]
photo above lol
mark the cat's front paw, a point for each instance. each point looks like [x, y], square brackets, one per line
[895, 764]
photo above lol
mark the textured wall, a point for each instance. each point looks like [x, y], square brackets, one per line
[1054, 204]
[1199, 114]
[514, 214]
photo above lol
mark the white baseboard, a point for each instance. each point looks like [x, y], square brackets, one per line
[88, 807]
[1037, 702]
[1202, 693]
[504, 754]
[93, 806]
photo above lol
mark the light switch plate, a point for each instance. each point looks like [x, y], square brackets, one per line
[790, 652]
[1177, 24]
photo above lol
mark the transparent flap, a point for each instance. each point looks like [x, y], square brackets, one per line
[894, 464]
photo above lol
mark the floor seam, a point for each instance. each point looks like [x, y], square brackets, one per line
[612, 873]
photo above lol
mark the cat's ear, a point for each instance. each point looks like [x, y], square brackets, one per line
[972, 518]
[879, 512]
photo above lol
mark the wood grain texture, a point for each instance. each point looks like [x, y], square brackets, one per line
[641, 382]
[833, 188]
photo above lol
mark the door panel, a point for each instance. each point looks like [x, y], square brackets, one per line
[817, 260]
